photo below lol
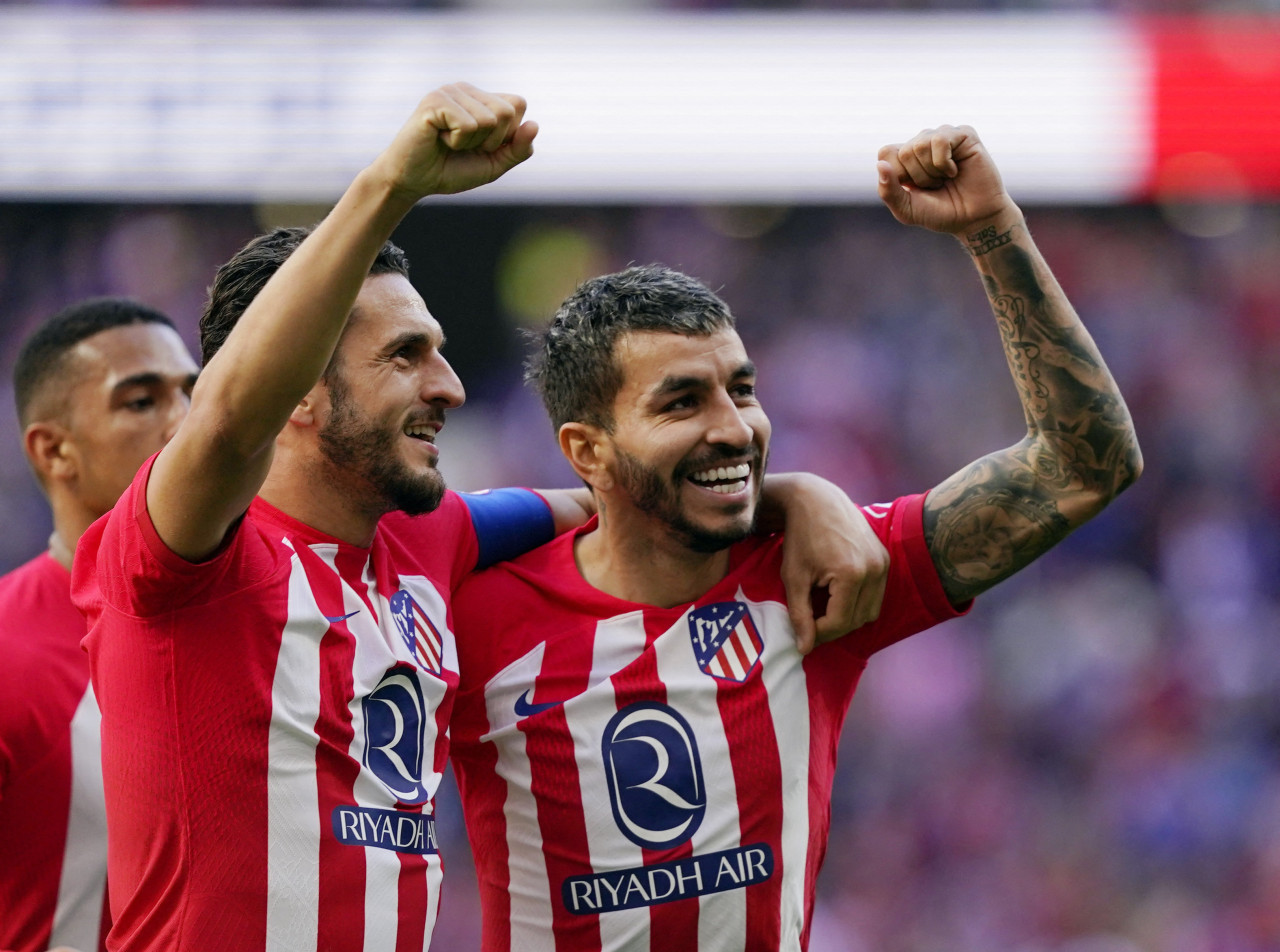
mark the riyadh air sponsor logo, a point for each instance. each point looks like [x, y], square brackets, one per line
[385, 829]
[666, 882]
[655, 775]
[726, 642]
[395, 723]
[420, 634]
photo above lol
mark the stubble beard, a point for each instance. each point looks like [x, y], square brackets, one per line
[653, 494]
[354, 445]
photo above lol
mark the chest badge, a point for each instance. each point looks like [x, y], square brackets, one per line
[420, 635]
[726, 642]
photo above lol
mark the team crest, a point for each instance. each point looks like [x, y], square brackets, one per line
[420, 635]
[726, 642]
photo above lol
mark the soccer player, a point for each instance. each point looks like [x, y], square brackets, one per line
[270, 632]
[98, 388]
[645, 759]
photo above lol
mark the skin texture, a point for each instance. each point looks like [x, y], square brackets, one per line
[1004, 510]
[126, 391]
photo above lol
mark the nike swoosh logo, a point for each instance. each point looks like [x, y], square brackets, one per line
[337, 618]
[526, 708]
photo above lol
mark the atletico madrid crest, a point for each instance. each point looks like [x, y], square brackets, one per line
[726, 642]
[421, 637]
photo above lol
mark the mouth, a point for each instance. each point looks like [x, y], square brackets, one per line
[724, 480]
[424, 433]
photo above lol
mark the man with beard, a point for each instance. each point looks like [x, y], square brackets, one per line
[270, 633]
[99, 387]
[645, 759]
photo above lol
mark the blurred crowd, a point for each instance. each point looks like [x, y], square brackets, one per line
[1090, 760]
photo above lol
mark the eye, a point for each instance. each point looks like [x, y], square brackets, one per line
[679, 403]
[140, 403]
[745, 391]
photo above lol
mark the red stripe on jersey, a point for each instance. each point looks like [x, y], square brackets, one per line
[340, 896]
[753, 752]
[561, 819]
[482, 785]
[639, 681]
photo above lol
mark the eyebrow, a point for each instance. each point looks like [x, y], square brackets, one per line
[416, 338]
[676, 384]
[148, 379]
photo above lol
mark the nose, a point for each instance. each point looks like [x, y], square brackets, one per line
[441, 385]
[179, 406]
[728, 425]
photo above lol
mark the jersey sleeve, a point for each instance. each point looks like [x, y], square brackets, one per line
[914, 599]
[122, 561]
[508, 523]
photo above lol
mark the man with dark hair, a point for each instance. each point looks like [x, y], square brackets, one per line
[262, 585]
[644, 757]
[99, 388]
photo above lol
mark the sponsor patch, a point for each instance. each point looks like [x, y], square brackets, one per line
[395, 723]
[666, 882]
[385, 829]
[726, 642]
[655, 775]
[420, 634]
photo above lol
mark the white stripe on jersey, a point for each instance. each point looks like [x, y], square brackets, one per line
[618, 642]
[722, 917]
[784, 679]
[80, 889]
[531, 909]
[293, 805]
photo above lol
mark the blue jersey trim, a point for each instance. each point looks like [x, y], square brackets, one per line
[508, 522]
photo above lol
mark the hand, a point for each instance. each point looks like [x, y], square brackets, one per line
[830, 548]
[943, 180]
[458, 138]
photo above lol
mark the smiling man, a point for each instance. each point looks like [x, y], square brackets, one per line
[99, 387]
[645, 759]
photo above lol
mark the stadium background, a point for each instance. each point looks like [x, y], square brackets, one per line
[1088, 762]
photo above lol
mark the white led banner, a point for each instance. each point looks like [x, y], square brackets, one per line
[287, 106]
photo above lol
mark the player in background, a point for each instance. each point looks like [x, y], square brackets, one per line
[99, 388]
[269, 604]
[645, 759]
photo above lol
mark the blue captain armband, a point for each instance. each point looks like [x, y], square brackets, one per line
[508, 522]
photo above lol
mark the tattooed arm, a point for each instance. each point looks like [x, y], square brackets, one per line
[1001, 512]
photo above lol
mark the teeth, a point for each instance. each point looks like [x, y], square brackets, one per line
[424, 431]
[729, 488]
[739, 472]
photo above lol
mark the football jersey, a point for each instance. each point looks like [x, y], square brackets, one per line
[53, 830]
[641, 778]
[274, 725]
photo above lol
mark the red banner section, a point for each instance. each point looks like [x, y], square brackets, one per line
[1216, 107]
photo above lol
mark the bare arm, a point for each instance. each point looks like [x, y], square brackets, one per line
[1006, 509]
[459, 137]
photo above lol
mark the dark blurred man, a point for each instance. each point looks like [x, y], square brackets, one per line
[644, 757]
[99, 388]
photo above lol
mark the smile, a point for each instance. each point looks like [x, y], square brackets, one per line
[725, 480]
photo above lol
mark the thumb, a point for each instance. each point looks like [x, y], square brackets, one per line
[519, 148]
[897, 198]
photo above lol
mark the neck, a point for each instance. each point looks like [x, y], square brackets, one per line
[644, 564]
[69, 523]
[313, 496]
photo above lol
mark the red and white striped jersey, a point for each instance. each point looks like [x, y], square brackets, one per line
[274, 727]
[645, 778]
[53, 830]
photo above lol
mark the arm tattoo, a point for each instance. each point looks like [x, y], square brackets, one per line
[1000, 513]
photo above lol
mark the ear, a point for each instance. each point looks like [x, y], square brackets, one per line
[589, 452]
[52, 453]
[306, 413]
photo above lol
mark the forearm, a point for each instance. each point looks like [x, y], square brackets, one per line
[1080, 438]
[286, 337]
[997, 515]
